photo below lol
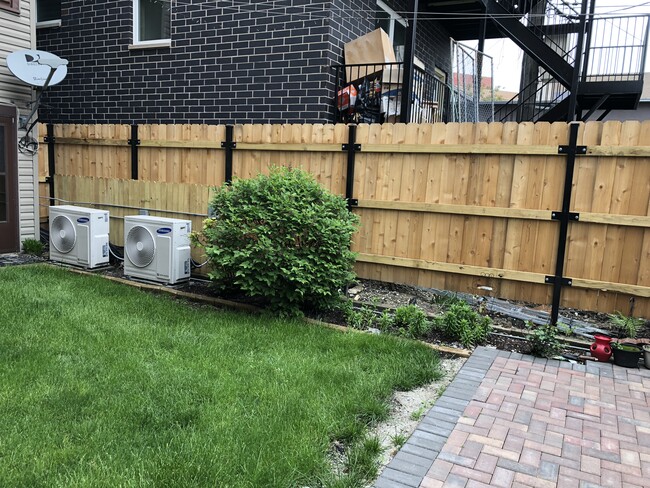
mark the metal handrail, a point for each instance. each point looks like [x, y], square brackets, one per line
[540, 103]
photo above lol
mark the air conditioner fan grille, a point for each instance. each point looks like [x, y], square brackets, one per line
[63, 234]
[140, 246]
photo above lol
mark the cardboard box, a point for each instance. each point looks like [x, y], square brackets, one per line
[347, 97]
[373, 48]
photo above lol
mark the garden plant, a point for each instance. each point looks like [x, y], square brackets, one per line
[281, 237]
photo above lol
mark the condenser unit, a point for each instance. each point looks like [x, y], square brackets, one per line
[79, 236]
[157, 248]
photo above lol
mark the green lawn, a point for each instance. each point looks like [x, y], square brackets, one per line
[102, 385]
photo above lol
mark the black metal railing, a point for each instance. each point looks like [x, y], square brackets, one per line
[372, 93]
[533, 101]
[617, 49]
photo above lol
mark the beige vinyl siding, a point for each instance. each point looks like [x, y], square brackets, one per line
[18, 32]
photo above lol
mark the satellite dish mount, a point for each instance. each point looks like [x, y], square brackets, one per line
[39, 69]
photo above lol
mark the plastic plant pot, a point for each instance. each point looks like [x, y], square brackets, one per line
[626, 355]
[646, 356]
[602, 348]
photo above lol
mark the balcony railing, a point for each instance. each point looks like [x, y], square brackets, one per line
[617, 49]
[372, 93]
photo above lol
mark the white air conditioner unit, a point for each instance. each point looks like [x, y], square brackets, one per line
[79, 236]
[157, 248]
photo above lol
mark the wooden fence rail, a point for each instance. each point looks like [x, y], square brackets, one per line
[464, 207]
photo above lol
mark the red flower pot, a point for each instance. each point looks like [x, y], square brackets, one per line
[601, 349]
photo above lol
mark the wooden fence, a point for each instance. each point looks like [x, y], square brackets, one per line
[466, 207]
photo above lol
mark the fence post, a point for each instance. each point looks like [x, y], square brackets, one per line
[134, 142]
[352, 148]
[564, 216]
[49, 139]
[229, 145]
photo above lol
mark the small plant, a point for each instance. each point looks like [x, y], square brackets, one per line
[411, 321]
[625, 326]
[363, 318]
[354, 319]
[33, 247]
[385, 321]
[446, 300]
[419, 413]
[565, 329]
[461, 323]
[368, 316]
[543, 340]
[398, 440]
[362, 462]
[625, 347]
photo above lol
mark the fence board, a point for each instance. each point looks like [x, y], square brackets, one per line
[455, 206]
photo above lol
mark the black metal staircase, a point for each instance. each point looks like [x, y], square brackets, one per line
[577, 63]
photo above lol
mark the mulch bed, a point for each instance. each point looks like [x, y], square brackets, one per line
[508, 334]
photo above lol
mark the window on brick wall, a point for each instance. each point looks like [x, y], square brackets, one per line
[394, 25]
[48, 13]
[10, 5]
[151, 21]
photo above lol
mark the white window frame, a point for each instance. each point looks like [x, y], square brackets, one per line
[136, 31]
[394, 17]
[46, 23]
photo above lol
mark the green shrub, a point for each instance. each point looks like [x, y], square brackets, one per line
[32, 246]
[411, 321]
[281, 237]
[543, 340]
[463, 324]
[625, 326]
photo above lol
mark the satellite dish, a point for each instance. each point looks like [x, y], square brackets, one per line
[37, 67]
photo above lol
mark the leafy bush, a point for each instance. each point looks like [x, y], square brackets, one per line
[543, 340]
[280, 237]
[411, 321]
[625, 326]
[463, 324]
[32, 246]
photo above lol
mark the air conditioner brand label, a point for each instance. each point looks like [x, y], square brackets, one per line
[83, 220]
[105, 250]
[164, 230]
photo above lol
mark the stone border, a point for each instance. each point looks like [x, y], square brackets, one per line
[411, 464]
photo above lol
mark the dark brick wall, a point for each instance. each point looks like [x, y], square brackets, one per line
[244, 64]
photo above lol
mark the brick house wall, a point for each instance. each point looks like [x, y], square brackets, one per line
[225, 64]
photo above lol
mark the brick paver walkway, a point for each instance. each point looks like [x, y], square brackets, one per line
[509, 420]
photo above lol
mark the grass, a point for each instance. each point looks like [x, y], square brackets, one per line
[105, 385]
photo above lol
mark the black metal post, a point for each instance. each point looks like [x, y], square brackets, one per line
[352, 148]
[134, 142]
[590, 25]
[409, 52]
[51, 160]
[229, 145]
[577, 69]
[564, 217]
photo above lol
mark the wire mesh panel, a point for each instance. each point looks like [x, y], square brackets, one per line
[472, 84]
